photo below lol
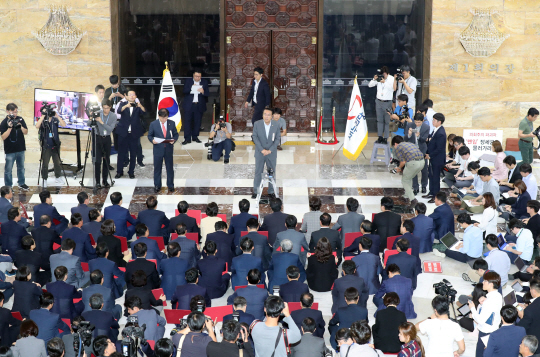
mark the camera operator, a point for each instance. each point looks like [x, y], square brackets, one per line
[106, 122]
[13, 129]
[192, 340]
[406, 84]
[221, 132]
[403, 113]
[50, 145]
[98, 98]
[115, 93]
[235, 338]
[69, 350]
[383, 103]
[103, 346]
[55, 347]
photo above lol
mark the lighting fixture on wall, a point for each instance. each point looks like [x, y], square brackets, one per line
[59, 36]
[481, 38]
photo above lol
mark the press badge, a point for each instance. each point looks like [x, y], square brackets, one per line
[50, 135]
[104, 132]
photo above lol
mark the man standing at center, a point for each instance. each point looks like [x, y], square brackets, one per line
[259, 94]
[436, 154]
[526, 136]
[266, 137]
[195, 97]
[163, 129]
[129, 130]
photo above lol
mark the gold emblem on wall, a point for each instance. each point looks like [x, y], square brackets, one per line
[481, 38]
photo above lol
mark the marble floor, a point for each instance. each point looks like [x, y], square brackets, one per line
[302, 171]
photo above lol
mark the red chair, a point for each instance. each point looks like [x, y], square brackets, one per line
[85, 266]
[223, 217]
[226, 268]
[56, 246]
[390, 241]
[293, 306]
[217, 312]
[264, 233]
[350, 237]
[373, 217]
[134, 217]
[17, 315]
[123, 241]
[193, 236]
[160, 242]
[67, 321]
[92, 240]
[349, 257]
[122, 269]
[245, 286]
[24, 213]
[157, 294]
[390, 252]
[174, 316]
[152, 343]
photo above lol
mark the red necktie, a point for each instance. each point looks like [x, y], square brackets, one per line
[164, 131]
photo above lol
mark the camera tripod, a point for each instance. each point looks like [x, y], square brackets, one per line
[92, 139]
[267, 178]
[54, 150]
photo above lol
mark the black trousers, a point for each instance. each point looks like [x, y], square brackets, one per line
[257, 114]
[434, 178]
[192, 122]
[127, 143]
[102, 150]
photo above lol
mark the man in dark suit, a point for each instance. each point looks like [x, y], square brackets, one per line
[306, 301]
[529, 316]
[368, 266]
[213, 271]
[189, 222]
[274, 222]
[120, 216]
[45, 237]
[156, 221]
[104, 321]
[400, 285]
[240, 306]
[259, 94]
[261, 248]
[243, 263]
[365, 228]
[97, 287]
[64, 294]
[505, 341]
[12, 233]
[195, 97]
[345, 316]
[93, 227]
[332, 236]
[423, 228]
[190, 249]
[407, 263]
[113, 277]
[48, 322]
[266, 136]
[76, 276]
[45, 208]
[183, 293]
[293, 290]
[173, 270]
[163, 129]
[129, 130]
[83, 249]
[386, 223]
[310, 344]
[152, 249]
[514, 174]
[82, 208]
[436, 154]
[277, 271]
[298, 239]
[350, 221]
[252, 293]
[140, 263]
[349, 279]
[238, 222]
[114, 244]
[224, 242]
[9, 326]
[407, 227]
[5, 205]
[31, 258]
[443, 217]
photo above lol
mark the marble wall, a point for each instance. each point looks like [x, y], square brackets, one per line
[490, 98]
[25, 65]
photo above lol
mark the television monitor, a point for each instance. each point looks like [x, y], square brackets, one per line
[69, 105]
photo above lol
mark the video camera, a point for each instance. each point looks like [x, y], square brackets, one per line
[445, 289]
[47, 109]
[15, 121]
[131, 336]
[379, 75]
[399, 75]
[82, 335]
[94, 111]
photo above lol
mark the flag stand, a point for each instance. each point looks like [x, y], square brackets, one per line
[333, 140]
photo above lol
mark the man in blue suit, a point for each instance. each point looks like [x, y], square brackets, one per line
[293, 290]
[238, 222]
[259, 94]
[163, 129]
[349, 222]
[109, 270]
[240, 307]
[104, 321]
[399, 285]
[5, 205]
[277, 271]
[45, 237]
[242, 264]
[195, 97]
[183, 293]
[48, 322]
[436, 154]
[423, 228]
[12, 233]
[173, 270]
[212, 269]
[190, 249]
[298, 239]
[93, 227]
[64, 294]
[224, 242]
[255, 295]
[345, 316]
[443, 217]
[407, 263]
[83, 248]
[152, 249]
[190, 223]
[368, 266]
[129, 130]
[366, 227]
[97, 287]
[120, 216]
[46, 208]
[407, 227]
[506, 340]
[82, 208]
[155, 220]
[76, 276]
[349, 280]
[306, 301]
[261, 248]
[274, 222]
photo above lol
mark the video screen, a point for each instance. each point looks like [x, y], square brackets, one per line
[69, 105]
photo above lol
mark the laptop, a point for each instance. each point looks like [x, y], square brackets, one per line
[520, 264]
[464, 309]
[502, 243]
[449, 241]
[517, 287]
[510, 299]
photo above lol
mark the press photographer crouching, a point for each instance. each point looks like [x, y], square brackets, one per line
[106, 122]
[13, 129]
[402, 115]
[221, 133]
[50, 142]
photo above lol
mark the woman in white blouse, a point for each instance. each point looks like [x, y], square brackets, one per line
[488, 222]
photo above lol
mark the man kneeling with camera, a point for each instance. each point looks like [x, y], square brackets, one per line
[221, 132]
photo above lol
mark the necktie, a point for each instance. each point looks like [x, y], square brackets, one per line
[164, 131]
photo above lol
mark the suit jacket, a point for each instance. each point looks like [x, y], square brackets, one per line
[31, 259]
[45, 238]
[83, 210]
[25, 297]
[152, 251]
[152, 321]
[534, 225]
[263, 94]
[243, 317]
[345, 282]
[104, 323]
[443, 220]
[420, 140]
[255, 297]
[63, 299]
[407, 265]
[12, 233]
[368, 267]
[321, 276]
[9, 327]
[225, 245]
[93, 228]
[516, 175]
[115, 249]
[109, 270]
[211, 271]
[292, 291]
[403, 287]
[156, 131]
[120, 216]
[310, 345]
[274, 223]
[261, 248]
[5, 206]
[29, 346]
[414, 244]
[436, 148]
[240, 267]
[387, 224]
[48, 324]
[299, 315]
[108, 299]
[266, 143]
[183, 294]
[189, 251]
[73, 264]
[423, 229]
[173, 274]
[386, 329]
[49, 210]
[128, 119]
[334, 238]
[345, 316]
[238, 225]
[349, 223]
[277, 271]
[147, 298]
[530, 320]
[187, 103]
[354, 250]
[153, 280]
[83, 245]
[298, 240]
[505, 341]
[155, 219]
[190, 222]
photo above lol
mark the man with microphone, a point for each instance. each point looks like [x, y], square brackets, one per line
[162, 133]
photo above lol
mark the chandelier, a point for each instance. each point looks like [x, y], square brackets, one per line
[481, 38]
[59, 36]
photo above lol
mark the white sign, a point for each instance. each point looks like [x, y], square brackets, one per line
[479, 141]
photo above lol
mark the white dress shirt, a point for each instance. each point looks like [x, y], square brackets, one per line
[255, 93]
[488, 316]
[267, 128]
[532, 187]
[525, 244]
[385, 90]
[429, 116]
[488, 221]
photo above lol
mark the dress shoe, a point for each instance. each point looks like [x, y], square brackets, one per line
[185, 142]
[106, 184]
[415, 192]
[157, 189]
[254, 196]
[385, 141]
[131, 176]
[271, 196]
[279, 147]
[171, 189]
[141, 164]
[226, 161]
[98, 186]
[424, 190]
[432, 200]
[379, 140]
[197, 140]
[427, 196]
[117, 176]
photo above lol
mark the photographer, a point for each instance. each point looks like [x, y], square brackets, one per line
[55, 347]
[383, 103]
[106, 122]
[95, 100]
[155, 324]
[129, 132]
[69, 350]
[235, 338]
[50, 144]
[221, 132]
[402, 114]
[13, 129]
[191, 340]
[103, 346]
[406, 84]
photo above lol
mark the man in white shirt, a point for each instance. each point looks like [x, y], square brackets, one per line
[463, 177]
[524, 245]
[407, 85]
[429, 114]
[497, 260]
[529, 179]
[383, 103]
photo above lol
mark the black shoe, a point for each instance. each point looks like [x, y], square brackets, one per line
[197, 140]
[226, 161]
[427, 196]
[431, 200]
[185, 142]
[131, 176]
[106, 184]
[415, 192]
[24, 187]
[98, 186]
[117, 176]
[385, 141]
[379, 140]
[141, 164]
[157, 189]
[271, 196]
[171, 189]
[254, 196]
[424, 190]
